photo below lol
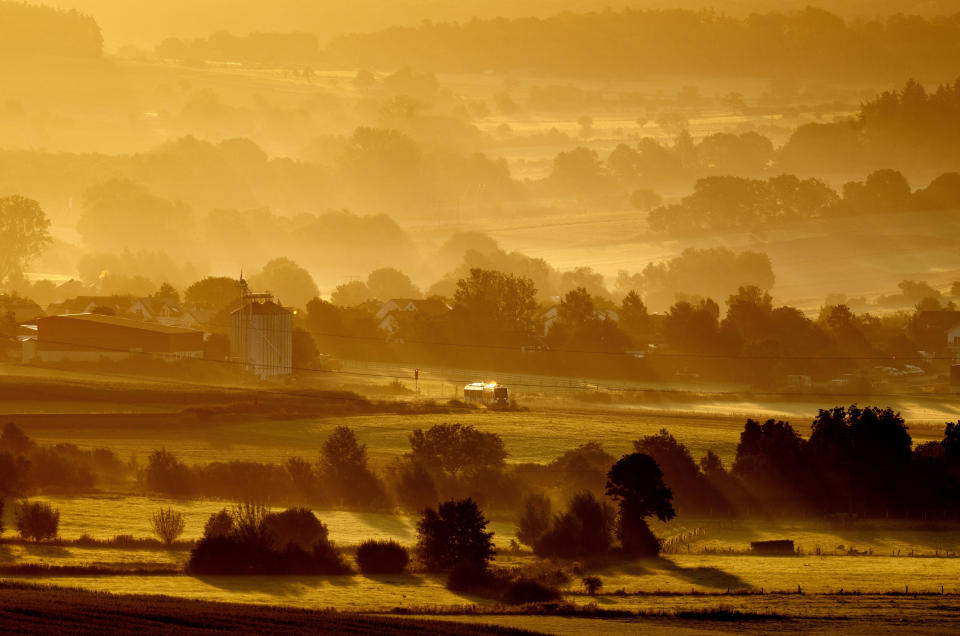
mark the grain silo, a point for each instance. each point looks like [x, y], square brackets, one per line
[261, 334]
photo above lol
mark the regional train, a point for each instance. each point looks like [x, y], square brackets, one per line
[488, 394]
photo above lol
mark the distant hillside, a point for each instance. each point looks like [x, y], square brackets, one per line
[146, 23]
[30, 30]
[810, 43]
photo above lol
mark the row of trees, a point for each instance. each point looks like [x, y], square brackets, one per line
[856, 460]
[737, 203]
[26, 466]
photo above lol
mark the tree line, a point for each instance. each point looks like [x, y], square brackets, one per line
[28, 30]
[858, 461]
[809, 43]
[739, 203]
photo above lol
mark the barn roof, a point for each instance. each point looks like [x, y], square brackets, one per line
[116, 321]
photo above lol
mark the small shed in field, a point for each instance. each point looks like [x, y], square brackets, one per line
[777, 547]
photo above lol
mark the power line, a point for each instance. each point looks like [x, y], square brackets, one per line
[645, 355]
[584, 384]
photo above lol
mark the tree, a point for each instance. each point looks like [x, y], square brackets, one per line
[386, 283]
[298, 526]
[578, 170]
[456, 449]
[220, 524]
[289, 282]
[454, 533]
[951, 443]
[535, 519]
[343, 468]
[167, 474]
[124, 214]
[351, 294]
[13, 439]
[636, 483]
[592, 584]
[305, 350]
[166, 290]
[168, 525]
[634, 319]
[492, 307]
[37, 520]
[24, 233]
[585, 528]
[679, 470]
[213, 292]
[584, 467]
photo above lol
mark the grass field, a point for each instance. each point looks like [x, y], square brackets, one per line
[27, 609]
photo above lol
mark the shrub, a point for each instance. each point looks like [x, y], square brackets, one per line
[168, 525]
[524, 591]
[455, 532]
[382, 557]
[37, 520]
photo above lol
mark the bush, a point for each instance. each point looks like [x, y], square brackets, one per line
[37, 521]
[168, 525]
[298, 526]
[382, 557]
[220, 524]
[250, 540]
[524, 591]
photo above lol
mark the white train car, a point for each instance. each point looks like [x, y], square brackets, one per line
[488, 394]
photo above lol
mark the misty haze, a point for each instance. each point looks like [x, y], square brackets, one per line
[477, 317]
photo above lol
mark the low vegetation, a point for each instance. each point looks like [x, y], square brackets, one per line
[382, 557]
[37, 520]
[250, 540]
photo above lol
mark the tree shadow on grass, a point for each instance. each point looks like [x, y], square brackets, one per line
[394, 525]
[622, 565]
[48, 550]
[703, 576]
[405, 580]
[278, 586]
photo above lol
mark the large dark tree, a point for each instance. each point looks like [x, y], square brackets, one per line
[636, 483]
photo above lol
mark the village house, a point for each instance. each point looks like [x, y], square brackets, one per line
[391, 312]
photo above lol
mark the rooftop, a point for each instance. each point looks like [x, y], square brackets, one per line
[115, 321]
